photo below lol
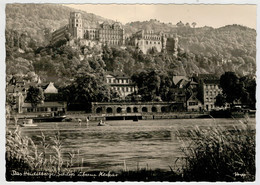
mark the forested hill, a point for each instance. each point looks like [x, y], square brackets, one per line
[229, 42]
[201, 50]
[232, 43]
[38, 20]
[226, 42]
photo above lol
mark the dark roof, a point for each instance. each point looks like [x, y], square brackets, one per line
[45, 104]
[117, 74]
[210, 81]
[193, 96]
[207, 76]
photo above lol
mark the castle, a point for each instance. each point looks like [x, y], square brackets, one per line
[111, 34]
[107, 34]
[146, 40]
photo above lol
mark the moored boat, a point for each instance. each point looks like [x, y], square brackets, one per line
[49, 118]
[27, 123]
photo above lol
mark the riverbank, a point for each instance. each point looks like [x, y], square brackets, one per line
[140, 116]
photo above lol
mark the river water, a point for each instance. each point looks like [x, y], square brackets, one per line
[123, 144]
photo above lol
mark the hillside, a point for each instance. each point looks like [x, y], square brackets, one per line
[233, 47]
[201, 50]
[38, 20]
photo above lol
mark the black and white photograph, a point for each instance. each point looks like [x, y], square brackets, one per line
[129, 92]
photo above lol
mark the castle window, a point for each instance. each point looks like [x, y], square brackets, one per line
[76, 24]
[159, 43]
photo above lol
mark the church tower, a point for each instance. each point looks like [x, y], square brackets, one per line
[75, 25]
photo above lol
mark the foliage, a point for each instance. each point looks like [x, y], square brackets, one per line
[40, 19]
[220, 154]
[229, 48]
[86, 88]
[235, 88]
[229, 82]
[35, 96]
[220, 100]
[153, 84]
[23, 154]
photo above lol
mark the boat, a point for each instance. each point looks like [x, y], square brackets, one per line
[49, 118]
[53, 117]
[27, 123]
[232, 113]
[102, 123]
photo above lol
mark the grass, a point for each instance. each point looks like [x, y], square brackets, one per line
[22, 154]
[219, 154]
[213, 153]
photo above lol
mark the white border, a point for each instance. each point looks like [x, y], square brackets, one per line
[2, 74]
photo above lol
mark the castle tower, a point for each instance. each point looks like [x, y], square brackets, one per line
[176, 44]
[164, 42]
[75, 25]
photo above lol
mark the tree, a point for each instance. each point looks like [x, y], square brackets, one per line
[229, 82]
[193, 24]
[248, 93]
[86, 88]
[220, 100]
[180, 24]
[35, 96]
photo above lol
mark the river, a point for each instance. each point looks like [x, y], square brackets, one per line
[123, 144]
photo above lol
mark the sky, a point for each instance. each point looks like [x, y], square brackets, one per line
[204, 15]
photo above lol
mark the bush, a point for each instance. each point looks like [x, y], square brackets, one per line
[22, 155]
[220, 154]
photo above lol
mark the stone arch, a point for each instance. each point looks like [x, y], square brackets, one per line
[154, 109]
[144, 109]
[99, 110]
[163, 109]
[128, 110]
[109, 110]
[135, 109]
[119, 110]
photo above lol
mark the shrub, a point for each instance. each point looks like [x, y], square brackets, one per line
[23, 155]
[218, 153]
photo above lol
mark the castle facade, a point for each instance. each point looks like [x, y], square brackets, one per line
[105, 33]
[113, 34]
[147, 40]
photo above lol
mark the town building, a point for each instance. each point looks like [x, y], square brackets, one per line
[45, 107]
[121, 84]
[17, 89]
[194, 104]
[211, 89]
[112, 34]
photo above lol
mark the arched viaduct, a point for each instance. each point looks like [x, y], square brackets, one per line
[131, 108]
